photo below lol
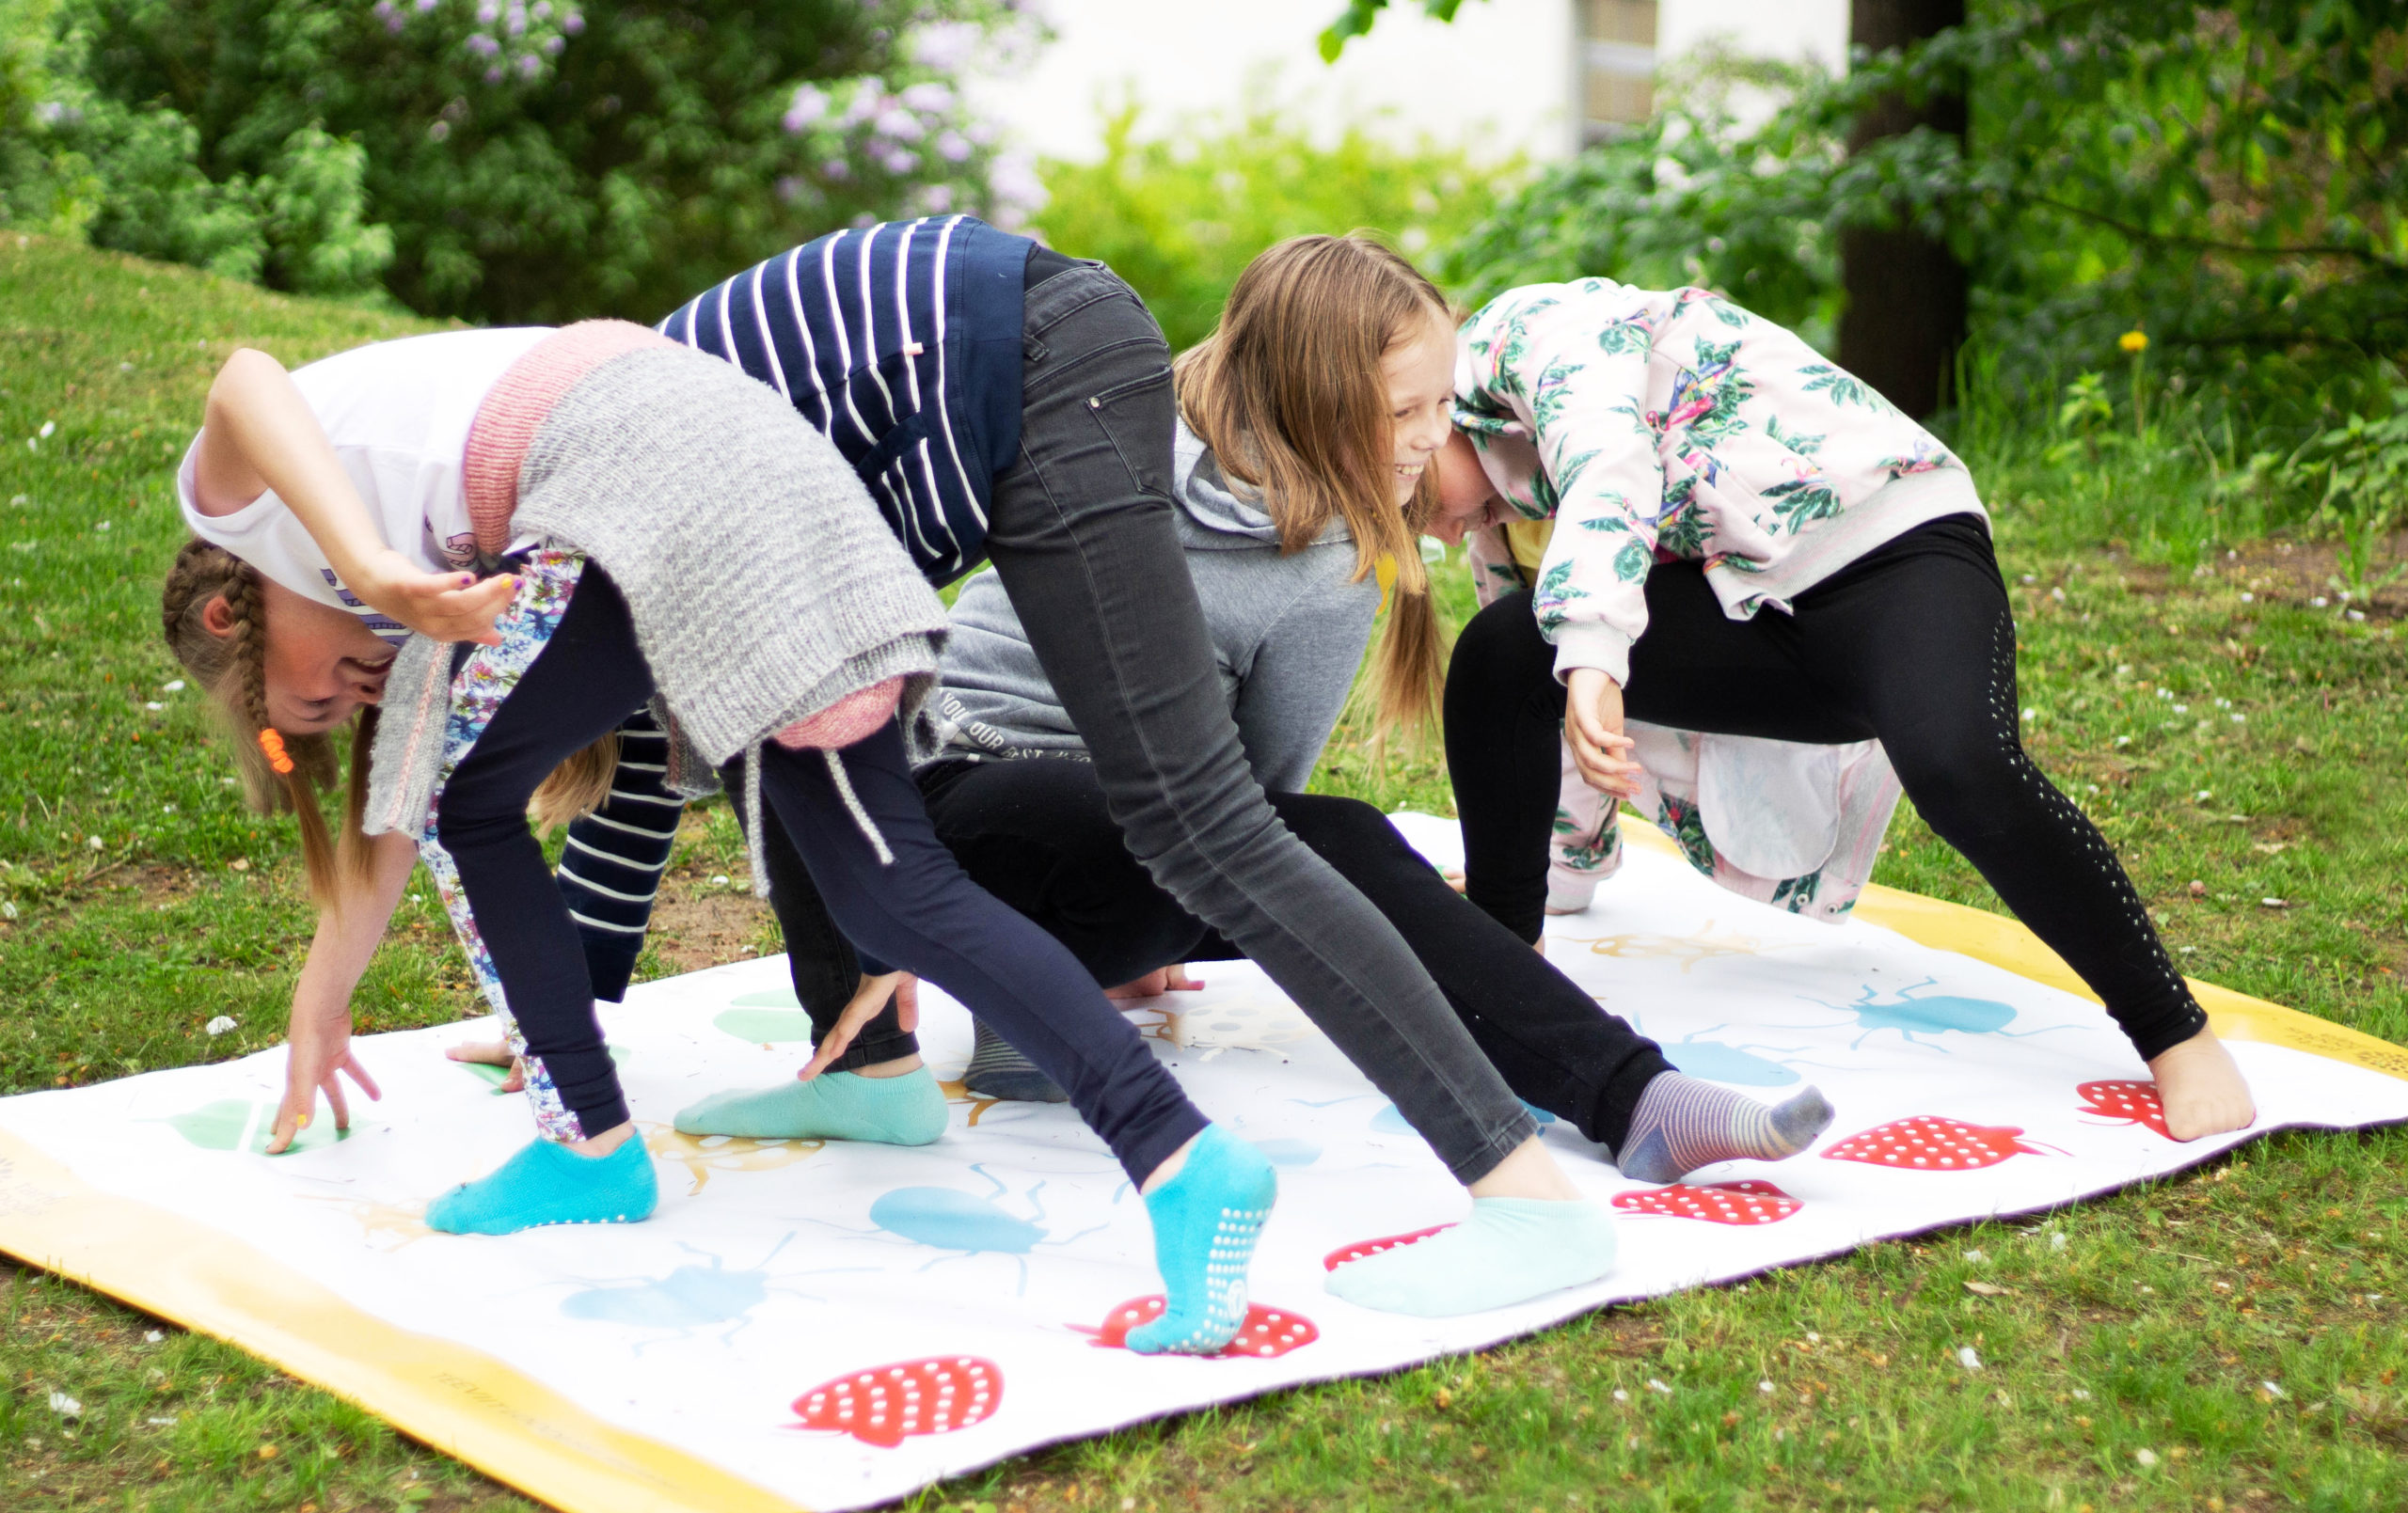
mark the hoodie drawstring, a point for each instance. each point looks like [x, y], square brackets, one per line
[752, 818]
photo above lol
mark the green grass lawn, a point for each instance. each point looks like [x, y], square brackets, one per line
[2228, 1338]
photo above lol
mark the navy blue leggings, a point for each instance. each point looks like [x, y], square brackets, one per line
[920, 913]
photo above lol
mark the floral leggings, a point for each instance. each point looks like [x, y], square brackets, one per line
[547, 581]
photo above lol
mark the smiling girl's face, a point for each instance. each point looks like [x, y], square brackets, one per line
[1419, 375]
[322, 663]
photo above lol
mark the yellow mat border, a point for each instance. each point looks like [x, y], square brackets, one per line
[461, 1401]
[515, 1429]
[2003, 942]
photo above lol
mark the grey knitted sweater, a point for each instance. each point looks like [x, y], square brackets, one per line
[1288, 633]
[763, 584]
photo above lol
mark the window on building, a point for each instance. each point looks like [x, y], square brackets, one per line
[1617, 79]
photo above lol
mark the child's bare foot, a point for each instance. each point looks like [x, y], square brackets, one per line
[2202, 1088]
[491, 1054]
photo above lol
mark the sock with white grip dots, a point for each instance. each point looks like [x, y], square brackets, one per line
[1510, 1251]
[547, 1183]
[1682, 1124]
[1206, 1221]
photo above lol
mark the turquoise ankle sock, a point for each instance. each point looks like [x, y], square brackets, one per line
[1509, 1250]
[1206, 1221]
[892, 1111]
[547, 1183]
[1682, 1124]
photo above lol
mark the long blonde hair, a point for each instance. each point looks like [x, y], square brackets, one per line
[1287, 392]
[233, 669]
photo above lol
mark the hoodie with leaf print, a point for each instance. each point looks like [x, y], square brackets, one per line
[1672, 424]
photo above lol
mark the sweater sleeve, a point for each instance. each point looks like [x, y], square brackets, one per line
[1293, 688]
[1572, 368]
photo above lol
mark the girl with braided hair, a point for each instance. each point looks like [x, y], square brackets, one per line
[610, 520]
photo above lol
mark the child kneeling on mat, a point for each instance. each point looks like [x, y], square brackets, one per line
[678, 537]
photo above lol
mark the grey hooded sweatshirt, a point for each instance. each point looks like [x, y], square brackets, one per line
[1288, 633]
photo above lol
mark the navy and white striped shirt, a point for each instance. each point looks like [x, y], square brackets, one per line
[901, 343]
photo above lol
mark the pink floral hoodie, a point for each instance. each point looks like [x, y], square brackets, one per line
[1659, 425]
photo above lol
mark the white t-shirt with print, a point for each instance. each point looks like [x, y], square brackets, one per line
[398, 414]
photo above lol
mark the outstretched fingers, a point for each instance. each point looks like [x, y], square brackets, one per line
[869, 1000]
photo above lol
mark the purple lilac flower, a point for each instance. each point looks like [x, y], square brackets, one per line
[953, 147]
[482, 45]
[900, 124]
[899, 163]
[530, 66]
[944, 46]
[808, 108]
[928, 96]
[836, 170]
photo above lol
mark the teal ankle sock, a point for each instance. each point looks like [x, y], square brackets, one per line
[1682, 1124]
[547, 1183]
[1206, 1221]
[892, 1111]
[1510, 1251]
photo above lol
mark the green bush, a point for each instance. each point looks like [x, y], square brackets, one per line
[2226, 178]
[1179, 215]
[500, 160]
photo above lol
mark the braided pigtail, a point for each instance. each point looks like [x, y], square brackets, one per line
[279, 772]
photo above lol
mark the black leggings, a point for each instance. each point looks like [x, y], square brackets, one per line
[919, 912]
[1037, 835]
[1913, 645]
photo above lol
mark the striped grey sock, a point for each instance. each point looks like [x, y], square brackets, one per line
[1682, 1124]
[998, 1071]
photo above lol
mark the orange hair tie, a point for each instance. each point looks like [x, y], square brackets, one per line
[272, 747]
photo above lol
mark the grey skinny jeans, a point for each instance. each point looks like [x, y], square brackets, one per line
[1082, 535]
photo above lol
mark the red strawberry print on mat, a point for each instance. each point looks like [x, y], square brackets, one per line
[1372, 1247]
[1929, 1143]
[2129, 1103]
[1748, 1202]
[883, 1404]
[1267, 1333]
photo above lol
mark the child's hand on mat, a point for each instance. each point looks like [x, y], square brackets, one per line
[493, 1054]
[1454, 877]
[1592, 724]
[444, 606]
[869, 1000]
[316, 1062]
[1170, 978]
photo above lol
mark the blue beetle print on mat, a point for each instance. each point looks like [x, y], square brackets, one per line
[690, 1299]
[1910, 1016]
[947, 1220]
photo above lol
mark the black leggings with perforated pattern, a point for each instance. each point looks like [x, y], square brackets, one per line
[1912, 644]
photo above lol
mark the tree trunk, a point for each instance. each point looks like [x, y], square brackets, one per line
[1905, 312]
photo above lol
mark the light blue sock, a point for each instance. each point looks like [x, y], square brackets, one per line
[1510, 1251]
[1206, 1221]
[892, 1111]
[547, 1183]
[1682, 1124]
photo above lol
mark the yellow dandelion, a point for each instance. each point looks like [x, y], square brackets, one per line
[2134, 343]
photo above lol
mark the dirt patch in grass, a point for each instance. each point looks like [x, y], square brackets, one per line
[698, 923]
[2277, 572]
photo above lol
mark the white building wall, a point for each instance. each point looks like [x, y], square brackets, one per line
[1498, 80]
